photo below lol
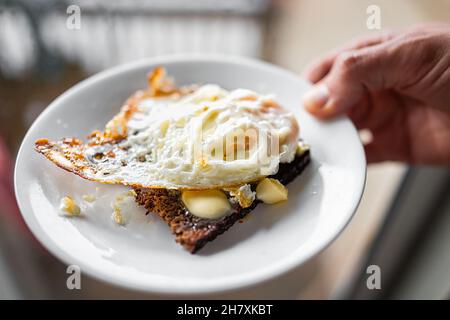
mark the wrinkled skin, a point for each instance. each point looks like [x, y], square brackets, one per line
[397, 85]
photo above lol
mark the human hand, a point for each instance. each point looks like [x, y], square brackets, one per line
[397, 85]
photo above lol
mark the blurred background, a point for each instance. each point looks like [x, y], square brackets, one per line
[403, 222]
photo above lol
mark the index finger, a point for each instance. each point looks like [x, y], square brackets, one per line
[319, 68]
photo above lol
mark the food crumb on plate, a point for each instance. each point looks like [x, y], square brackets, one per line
[123, 205]
[89, 198]
[69, 207]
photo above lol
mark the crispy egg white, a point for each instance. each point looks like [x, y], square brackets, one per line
[205, 139]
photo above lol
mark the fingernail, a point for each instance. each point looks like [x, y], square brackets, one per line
[316, 98]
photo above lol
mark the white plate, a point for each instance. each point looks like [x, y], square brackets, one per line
[143, 255]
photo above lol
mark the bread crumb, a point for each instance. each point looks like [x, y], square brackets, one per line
[117, 216]
[89, 198]
[69, 206]
[122, 200]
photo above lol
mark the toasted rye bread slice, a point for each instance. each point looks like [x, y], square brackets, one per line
[193, 232]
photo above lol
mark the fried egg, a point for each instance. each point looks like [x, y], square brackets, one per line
[184, 138]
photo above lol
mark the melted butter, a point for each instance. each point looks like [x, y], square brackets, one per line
[206, 204]
[271, 191]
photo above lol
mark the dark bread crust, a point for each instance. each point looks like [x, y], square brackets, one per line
[193, 232]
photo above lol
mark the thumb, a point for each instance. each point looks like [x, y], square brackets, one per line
[352, 75]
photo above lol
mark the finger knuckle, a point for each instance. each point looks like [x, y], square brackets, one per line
[348, 61]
